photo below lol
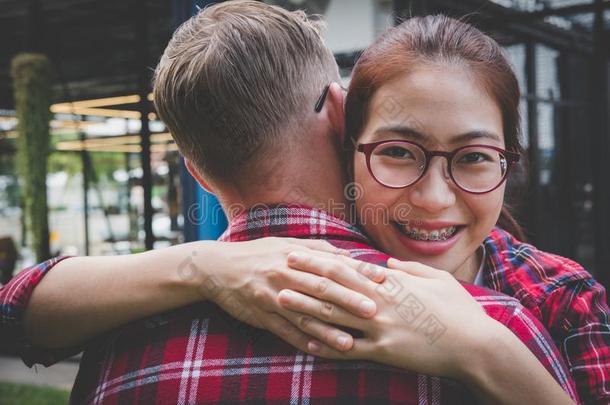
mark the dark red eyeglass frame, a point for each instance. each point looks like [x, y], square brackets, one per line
[367, 149]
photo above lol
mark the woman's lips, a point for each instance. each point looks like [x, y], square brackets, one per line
[428, 247]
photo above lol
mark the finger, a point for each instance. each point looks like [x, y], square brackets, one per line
[319, 245]
[416, 269]
[328, 290]
[362, 349]
[285, 330]
[322, 310]
[253, 321]
[318, 348]
[345, 271]
[314, 328]
[371, 271]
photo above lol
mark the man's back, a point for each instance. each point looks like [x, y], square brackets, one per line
[199, 354]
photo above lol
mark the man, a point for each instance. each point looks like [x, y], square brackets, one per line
[237, 86]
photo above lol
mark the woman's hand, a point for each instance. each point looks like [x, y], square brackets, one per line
[245, 278]
[425, 321]
[428, 323]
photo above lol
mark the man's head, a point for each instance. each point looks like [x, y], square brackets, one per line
[236, 87]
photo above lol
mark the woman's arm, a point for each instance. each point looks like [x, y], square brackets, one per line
[85, 296]
[503, 370]
[428, 323]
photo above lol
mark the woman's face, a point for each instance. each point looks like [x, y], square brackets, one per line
[440, 108]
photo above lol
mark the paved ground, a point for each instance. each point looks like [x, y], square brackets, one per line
[60, 375]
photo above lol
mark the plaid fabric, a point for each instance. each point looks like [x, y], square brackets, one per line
[14, 297]
[565, 298]
[198, 354]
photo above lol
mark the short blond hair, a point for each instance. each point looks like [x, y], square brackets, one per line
[236, 76]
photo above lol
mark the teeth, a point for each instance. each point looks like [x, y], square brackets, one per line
[436, 235]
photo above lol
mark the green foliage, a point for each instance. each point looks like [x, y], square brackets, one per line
[105, 164]
[17, 394]
[69, 162]
[9, 196]
[32, 81]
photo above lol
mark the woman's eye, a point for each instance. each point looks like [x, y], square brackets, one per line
[396, 152]
[474, 157]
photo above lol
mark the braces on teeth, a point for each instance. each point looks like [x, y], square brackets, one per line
[443, 234]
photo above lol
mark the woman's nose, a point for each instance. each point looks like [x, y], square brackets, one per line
[435, 191]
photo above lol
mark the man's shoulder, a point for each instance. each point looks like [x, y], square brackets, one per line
[362, 251]
[497, 305]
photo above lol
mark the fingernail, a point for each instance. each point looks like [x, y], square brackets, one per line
[377, 272]
[367, 307]
[342, 341]
[366, 271]
[287, 295]
[313, 346]
[295, 256]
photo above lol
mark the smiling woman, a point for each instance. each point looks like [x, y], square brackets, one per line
[433, 109]
[452, 110]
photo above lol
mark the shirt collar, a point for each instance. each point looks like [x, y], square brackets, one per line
[479, 279]
[499, 247]
[291, 220]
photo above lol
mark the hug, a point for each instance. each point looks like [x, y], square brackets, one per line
[315, 295]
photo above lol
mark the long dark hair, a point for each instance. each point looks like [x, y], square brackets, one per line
[434, 39]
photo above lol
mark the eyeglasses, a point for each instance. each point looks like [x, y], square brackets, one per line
[320, 102]
[476, 169]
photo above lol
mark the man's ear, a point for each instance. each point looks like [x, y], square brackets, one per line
[336, 109]
[197, 176]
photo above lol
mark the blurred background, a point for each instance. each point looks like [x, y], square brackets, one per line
[115, 182]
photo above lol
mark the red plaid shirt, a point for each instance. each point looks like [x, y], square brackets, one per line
[565, 298]
[198, 354]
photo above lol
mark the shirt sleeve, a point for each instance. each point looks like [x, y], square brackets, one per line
[578, 316]
[534, 335]
[14, 298]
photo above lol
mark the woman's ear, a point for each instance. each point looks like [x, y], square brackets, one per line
[197, 176]
[336, 109]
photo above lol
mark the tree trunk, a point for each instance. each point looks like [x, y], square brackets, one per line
[32, 80]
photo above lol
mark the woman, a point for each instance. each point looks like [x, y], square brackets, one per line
[445, 152]
[449, 88]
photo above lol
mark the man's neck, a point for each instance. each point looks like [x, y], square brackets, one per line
[310, 173]
[322, 197]
[315, 184]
